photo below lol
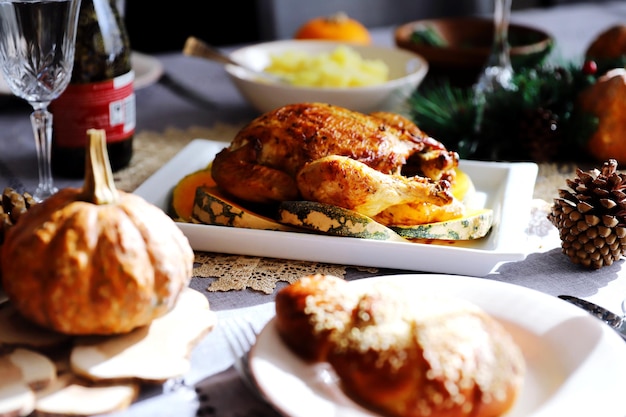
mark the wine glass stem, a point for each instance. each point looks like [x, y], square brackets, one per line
[498, 71]
[41, 120]
[500, 56]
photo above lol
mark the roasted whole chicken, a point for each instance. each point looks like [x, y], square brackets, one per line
[381, 165]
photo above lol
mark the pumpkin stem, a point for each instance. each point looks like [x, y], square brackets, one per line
[338, 17]
[99, 187]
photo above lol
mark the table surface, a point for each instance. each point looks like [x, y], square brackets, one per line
[160, 108]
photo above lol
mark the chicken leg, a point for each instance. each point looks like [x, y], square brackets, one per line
[348, 183]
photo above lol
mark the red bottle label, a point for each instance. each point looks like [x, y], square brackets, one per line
[108, 105]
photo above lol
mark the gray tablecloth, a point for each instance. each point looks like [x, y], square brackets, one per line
[212, 387]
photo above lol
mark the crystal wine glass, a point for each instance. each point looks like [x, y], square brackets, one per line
[498, 72]
[37, 43]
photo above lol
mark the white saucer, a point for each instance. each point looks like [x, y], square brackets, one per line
[148, 70]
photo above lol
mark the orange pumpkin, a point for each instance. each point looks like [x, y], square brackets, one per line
[606, 100]
[338, 27]
[95, 260]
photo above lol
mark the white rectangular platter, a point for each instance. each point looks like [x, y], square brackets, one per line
[507, 188]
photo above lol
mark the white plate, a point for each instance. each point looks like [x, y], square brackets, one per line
[148, 70]
[507, 188]
[575, 363]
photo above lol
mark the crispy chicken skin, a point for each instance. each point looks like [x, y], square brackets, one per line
[264, 160]
[347, 183]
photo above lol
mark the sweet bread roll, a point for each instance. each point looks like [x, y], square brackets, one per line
[308, 310]
[427, 357]
[423, 357]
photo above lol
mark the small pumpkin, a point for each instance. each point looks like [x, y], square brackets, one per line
[338, 27]
[95, 260]
[606, 100]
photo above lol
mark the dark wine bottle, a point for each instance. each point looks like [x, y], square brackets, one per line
[100, 94]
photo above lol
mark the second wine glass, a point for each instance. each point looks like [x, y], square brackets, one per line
[498, 71]
[37, 43]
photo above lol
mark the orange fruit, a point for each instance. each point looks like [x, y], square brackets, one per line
[610, 44]
[337, 27]
[606, 99]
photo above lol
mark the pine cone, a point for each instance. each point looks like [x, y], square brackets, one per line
[540, 135]
[592, 217]
[13, 205]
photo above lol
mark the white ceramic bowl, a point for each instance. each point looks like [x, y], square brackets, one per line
[406, 72]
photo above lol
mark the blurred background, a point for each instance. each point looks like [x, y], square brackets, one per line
[246, 21]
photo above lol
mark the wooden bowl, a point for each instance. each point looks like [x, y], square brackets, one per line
[468, 44]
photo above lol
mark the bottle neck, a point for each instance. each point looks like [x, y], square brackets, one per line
[110, 25]
[102, 44]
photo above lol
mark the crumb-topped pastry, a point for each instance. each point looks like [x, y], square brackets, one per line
[419, 357]
[308, 310]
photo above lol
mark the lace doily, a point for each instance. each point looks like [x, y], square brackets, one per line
[550, 178]
[235, 272]
[542, 235]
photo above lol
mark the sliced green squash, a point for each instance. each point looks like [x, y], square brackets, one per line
[333, 220]
[474, 225]
[196, 198]
[211, 206]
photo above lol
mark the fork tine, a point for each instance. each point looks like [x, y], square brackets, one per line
[251, 334]
[234, 346]
[241, 336]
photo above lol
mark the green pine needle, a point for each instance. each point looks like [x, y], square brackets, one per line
[448, 113]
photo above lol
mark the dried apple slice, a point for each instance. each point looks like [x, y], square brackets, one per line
[16, 399]
[69, 396]
[153, 353]
[16, 331]
[23, 371]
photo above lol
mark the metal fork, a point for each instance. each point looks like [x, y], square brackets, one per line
[198, 48]
[617, 322]
[241, 336]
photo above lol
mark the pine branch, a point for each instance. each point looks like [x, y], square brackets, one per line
[540, 112]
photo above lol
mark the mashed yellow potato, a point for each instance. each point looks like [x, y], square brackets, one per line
[342, 67]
